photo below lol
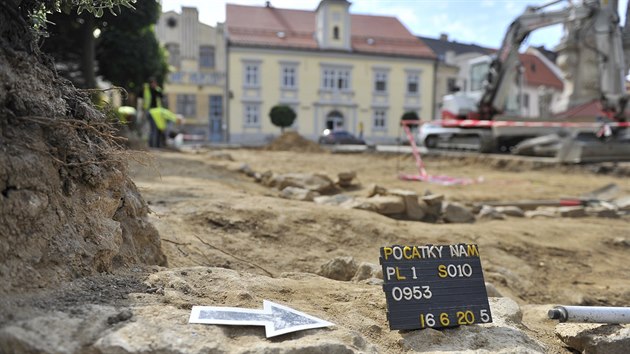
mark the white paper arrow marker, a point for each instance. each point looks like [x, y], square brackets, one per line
[277, 319]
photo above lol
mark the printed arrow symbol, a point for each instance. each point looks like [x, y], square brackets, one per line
[277, 319]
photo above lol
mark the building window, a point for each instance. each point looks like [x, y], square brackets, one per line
[478, 73]
[336, 32]
[173, 54]
[413, 83]
[252, 115]
[343, 79]
[252, 77]
[216, 106]
[329, 79]
[451, 85]
[187, 105]
[206, 57]
[336, 79]
[289, 77]
[525, 100]
[379, 119]
[380, 82]
[171, 22]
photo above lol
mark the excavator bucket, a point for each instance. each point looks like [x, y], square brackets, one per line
[583, 147]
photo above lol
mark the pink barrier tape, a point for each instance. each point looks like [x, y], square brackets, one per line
[442, 180]
[416, 153]
[502, 123]
[423, 175]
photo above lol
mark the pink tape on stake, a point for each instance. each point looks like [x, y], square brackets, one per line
[423, 175]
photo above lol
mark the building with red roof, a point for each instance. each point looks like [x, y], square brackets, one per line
[335, 69]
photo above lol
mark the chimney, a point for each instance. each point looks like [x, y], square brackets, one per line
[189, 40]
[449, 57]
[444, 37]
[267, 3]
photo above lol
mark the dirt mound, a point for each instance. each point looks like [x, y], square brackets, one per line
[67, 206]
[292, 141]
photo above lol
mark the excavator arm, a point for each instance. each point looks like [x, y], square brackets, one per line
[604, 19]
[611, 61]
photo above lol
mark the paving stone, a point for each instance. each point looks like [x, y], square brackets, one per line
[300, 194]
[511, 211]
[457, 213]
[572, 211]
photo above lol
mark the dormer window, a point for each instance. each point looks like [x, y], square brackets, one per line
[336, 32]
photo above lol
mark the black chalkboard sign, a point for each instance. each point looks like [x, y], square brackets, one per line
[434, 286]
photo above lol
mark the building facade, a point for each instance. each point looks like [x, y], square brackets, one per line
[196, 84]
[464, 68]
[337, 70]
[535, 93]
[453, 68]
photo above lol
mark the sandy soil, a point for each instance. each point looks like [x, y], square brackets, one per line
[208, 214]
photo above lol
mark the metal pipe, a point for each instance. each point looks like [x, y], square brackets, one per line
[590, 314]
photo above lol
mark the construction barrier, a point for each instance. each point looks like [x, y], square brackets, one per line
[473, 123]
[603, 127]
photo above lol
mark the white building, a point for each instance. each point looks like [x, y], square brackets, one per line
[534, 92]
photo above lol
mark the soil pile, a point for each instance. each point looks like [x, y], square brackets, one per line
[292, 141]
[67, 206]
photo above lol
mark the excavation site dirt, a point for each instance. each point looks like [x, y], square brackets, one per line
[210, 213]
[196, 197]
[300, 226]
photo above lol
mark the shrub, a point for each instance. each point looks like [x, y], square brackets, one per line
[282, 116]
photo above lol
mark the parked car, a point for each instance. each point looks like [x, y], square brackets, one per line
[339, 137]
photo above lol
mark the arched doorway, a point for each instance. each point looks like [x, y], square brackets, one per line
[334, 120]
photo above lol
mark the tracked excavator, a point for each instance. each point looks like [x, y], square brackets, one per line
[592, 57]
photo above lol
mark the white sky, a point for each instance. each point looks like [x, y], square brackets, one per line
[482, 22]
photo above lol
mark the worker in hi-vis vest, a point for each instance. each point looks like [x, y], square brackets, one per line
[152, 99]
[126, 114]
[160, 116]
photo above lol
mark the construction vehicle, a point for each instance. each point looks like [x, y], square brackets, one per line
[593, 54]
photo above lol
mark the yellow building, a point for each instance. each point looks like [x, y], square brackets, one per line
[195, 87]
[337, 70]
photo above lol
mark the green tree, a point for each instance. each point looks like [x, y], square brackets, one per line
[125, 53]
[139, 57]
[410, 116]
[282, 116]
